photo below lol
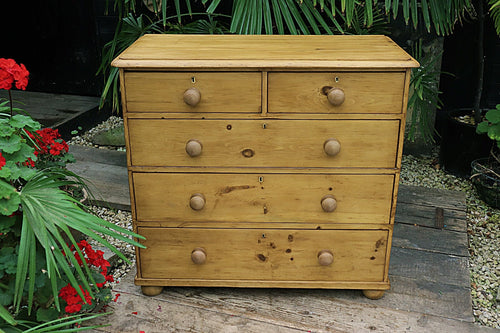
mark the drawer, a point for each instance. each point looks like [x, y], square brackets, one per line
[210, 197]
[264, 143]
[219, 92]
[262, 254]
[368, 92]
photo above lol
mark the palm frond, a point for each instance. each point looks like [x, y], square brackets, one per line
[48, 213]
[282, 16]
[5, 315]
[424, 96]
[495, 13]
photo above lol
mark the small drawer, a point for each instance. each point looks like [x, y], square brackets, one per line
[263, 254]
[305, 198]
[264, 143]
[336, 92]
[193, 92]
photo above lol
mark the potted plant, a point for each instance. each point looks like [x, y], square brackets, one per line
[486, 171]
[460, 144]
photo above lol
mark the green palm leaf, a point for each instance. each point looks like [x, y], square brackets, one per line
[48, 213]
[5, 315]
[495, 13]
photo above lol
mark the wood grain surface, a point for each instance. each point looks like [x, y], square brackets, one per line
[262, 254]
[227, 51]
[220, 92]
[263, 197]
[365, 92]
[264, 143]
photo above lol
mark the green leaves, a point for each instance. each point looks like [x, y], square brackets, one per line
[424, 97]
[20, 121]
[9, 199]
[491, 125]
[14, 147]
[282, 16]
[493, 116]
[495, 13]
[5, 315]
[7, 263]
[442, 14]
[482, 127]
[48, 213]
[10, 144]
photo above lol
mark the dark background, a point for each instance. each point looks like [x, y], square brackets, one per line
[60, 42]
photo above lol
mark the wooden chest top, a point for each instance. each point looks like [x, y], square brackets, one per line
[264, 51]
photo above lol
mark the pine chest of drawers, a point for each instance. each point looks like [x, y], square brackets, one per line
[264, 161]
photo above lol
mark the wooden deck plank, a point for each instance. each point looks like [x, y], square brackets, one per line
[409, 213]
[424, 196]
[52, 110]
[108, 183]
[134, 313]
[268, 310]
[428, 266]
[429, 239]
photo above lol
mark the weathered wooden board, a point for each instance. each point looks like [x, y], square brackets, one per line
[445, 199]
[409, 213]
[108, 183]
[267, 310]
[52, 110]
[429, 239]
[414, 295]
[428, 266]
[103, 156]
[134, 313]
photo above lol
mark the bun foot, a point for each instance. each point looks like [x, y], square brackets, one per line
[373, 294]
[151, 290]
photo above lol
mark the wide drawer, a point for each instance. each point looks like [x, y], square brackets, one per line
[358, 92]
[261, 254]
[220, 92]
[209, 197]
[264, 143]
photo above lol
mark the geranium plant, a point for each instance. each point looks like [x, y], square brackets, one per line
[491, 125]
[41, 264]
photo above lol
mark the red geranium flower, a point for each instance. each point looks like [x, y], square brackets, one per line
[6, 80]
[11, 72]
[2, 161]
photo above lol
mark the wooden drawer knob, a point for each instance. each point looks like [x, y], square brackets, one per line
[325, 257]
[192, 96]
[335, 96]
[328, 203]
[197, 201]
[194, 148]
[331, 147]
[199, 256]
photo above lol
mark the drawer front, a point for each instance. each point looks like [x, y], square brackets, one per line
[370, 92]
[262, 254]
[198, 197]
[264, 143]
[219, 92]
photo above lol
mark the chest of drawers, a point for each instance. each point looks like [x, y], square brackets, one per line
[264, 161]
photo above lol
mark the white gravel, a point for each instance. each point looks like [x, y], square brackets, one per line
[85, 139]
[483, 227]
